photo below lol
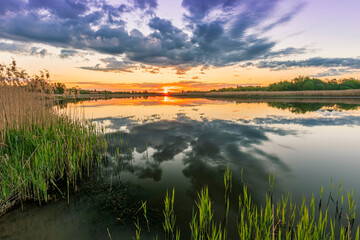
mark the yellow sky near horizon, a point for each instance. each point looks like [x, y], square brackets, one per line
[64, 71]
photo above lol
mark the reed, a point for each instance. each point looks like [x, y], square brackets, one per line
[202, 225]
[169, 217]
[40, 148]
[278, 220]
[228, 188]
[138, 230]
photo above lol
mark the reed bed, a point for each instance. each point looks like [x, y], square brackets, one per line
[41, 150]
[283, 219]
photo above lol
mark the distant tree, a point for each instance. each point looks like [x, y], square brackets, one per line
[308, 85]
[300, 83]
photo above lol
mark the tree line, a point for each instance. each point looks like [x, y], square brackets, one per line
[300, 83]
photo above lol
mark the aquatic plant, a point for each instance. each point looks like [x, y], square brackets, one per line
[41, 149]
[202, 224]
[169, 217]
[283, 219]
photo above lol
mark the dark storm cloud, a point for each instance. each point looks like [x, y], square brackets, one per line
[98, 26]
[353, 63]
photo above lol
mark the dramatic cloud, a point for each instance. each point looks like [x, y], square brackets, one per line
[352, 63]
[218, 33]
[63, 9]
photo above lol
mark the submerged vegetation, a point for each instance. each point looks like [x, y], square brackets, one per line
[40, 149]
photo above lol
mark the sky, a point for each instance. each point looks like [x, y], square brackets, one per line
[181, 44]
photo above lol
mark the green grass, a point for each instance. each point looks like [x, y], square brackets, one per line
[35, 158]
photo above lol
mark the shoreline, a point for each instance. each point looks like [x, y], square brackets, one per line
[326, 94]
[335, 96]
[110, 95]
[353, 93]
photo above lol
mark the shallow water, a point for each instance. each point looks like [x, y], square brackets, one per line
[187, 143]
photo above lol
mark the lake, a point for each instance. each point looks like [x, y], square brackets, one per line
[156, 144]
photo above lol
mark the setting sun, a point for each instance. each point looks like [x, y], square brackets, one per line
[165, 90]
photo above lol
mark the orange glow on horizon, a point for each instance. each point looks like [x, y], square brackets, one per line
[166, 90]
[195, 79]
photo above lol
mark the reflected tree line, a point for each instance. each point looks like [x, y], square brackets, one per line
[302, 108]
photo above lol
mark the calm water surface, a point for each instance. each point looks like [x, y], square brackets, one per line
[186, 144]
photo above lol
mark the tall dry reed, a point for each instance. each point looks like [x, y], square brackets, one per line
[22, 98]
[20, 108]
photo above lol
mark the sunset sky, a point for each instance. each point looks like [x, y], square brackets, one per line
[181, 44]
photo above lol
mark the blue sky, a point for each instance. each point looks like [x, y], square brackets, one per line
[203, 41]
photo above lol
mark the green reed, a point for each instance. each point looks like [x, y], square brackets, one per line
[283, 219]
[169, 217]
[287, 221]
[108, 232]
[35, 159]
[138, 230]
[228, 188]
[202, 224]
[144, 208]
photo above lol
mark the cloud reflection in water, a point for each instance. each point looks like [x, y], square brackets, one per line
[205, 148]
